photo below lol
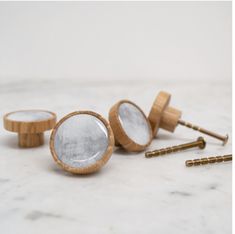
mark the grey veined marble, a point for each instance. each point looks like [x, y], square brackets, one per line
[29, 116]
[134, 123]
[81, 140]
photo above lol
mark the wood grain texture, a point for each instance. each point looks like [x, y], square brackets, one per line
[159, 105]
[96, 166]
[30, 140]
[170, 118]
[29, 127]
[162, 115]
[30, 134]
[119, 133]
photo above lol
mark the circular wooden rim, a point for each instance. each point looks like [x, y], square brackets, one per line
[159, 105]
[97, 165]
[30, 127]
[120, 134]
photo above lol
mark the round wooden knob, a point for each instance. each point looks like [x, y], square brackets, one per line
[82, 142]
[163, 116]
[130, 126]
[30, 125]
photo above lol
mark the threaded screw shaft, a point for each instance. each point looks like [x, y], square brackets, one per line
[203, 161]
[200, 142]
[224, 139]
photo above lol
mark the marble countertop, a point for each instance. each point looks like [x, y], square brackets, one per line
[131, 194]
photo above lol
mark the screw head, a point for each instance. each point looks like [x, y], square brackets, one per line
[202, 142]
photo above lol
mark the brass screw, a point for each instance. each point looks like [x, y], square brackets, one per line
[200, 142]
[203, 161]
[224, 139]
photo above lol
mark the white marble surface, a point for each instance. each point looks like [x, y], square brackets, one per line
[81, 140]
[29, 116]
[131, 194]
[134, 123]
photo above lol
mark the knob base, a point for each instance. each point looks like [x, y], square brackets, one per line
[30, 140]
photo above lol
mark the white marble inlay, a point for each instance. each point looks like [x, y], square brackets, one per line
[134, 123]
[81, 140]
[29, 116]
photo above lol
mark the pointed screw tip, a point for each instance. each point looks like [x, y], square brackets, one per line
[225, 139]
[188, 163]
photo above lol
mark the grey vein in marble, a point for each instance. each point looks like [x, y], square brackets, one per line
[3, 180]
[81, 140]
[35, 215]
[134, 123]
[181, 193]
[29, 116]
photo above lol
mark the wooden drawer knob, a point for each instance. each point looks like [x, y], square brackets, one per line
[166, 117]
[82, 142]
[163, 116]
[130, 126]
[30, 126]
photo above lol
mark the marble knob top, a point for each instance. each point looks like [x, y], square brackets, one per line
[82, 142]
[130, 125]
[134, 123]
[29, 121]
[29, 115]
